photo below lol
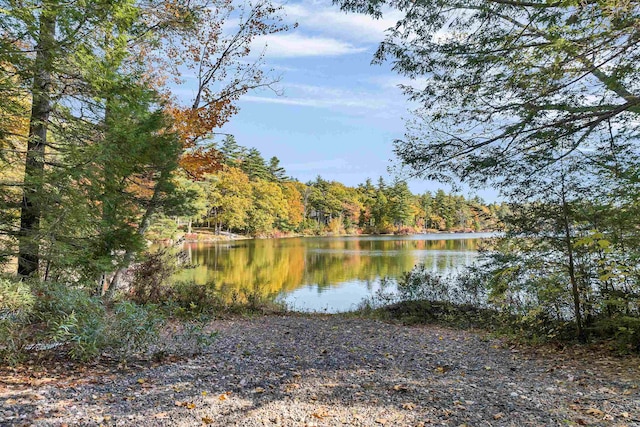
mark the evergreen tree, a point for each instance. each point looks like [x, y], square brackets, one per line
[277, 172]
[400, 200]
[232, 152]
[254, 165]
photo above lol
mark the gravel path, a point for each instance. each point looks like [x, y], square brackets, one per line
[334, 371]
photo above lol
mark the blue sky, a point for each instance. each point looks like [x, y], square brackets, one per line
[338, 114]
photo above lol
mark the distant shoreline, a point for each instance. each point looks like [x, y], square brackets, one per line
[209, 237]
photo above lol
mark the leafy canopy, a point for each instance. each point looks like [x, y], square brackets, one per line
[502, 83]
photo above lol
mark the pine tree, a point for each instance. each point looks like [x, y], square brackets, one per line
[277, 172]
[254, 165]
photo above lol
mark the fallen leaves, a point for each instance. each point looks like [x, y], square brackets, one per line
[188, 405]
[291, 387]
[320, 413]
[595, 412]
[442, 369]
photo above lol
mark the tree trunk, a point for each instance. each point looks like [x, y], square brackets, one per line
[142, 228]
[28, 255]
[572, 270]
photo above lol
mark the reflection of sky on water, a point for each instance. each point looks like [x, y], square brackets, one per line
[343, 297]
[347, 294]
[322, 273]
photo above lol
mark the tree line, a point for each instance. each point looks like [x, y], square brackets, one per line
[253, 196]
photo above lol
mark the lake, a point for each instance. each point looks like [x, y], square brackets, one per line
[331, 274]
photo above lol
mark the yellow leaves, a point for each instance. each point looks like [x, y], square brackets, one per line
[188, 405]
[224, 396]
[141, 380]
[408, 406]
[207, 420]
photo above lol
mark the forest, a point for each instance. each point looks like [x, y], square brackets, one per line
[251, 196]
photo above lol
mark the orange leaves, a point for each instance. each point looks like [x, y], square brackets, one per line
[192, 124]
[200, 162]
[321, 413]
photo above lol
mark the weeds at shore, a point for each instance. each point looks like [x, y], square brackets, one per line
[464, 301]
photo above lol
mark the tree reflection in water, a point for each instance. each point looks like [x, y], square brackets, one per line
[272, 268]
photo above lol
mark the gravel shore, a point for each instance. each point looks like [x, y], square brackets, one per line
[334, 371]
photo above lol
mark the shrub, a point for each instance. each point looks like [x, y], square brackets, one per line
[133, 328]
[66, 317]
[151, 276]
[188, 299]
[16, 306]
[16, 298]
[623, 330]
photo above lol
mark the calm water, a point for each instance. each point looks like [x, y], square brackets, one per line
[322, 273]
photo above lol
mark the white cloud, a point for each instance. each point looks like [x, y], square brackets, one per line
[381, 104]
[344, 102]
[394, 82]
[296, 45]
[329, 19]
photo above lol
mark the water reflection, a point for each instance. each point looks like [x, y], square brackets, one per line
[328, 273]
